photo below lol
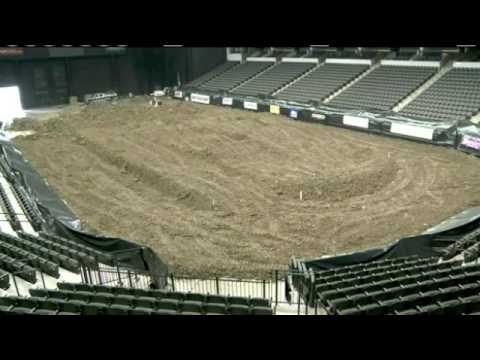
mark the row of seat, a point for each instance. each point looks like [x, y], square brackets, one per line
[361, 266]
[273, 79]
[79, 255]
[407, 263]
[17, 267]
[35, 261]
[235, 76]
[104, 301]
[4, 280]
[212, 74]
[62, 260]
[448, 95]
[461, 244]
[425, 288]
[22, 198]
[321, 82]
[128, 303]
[9, 211]
[162, 294]
[447, 293]
[384, 87]
[100, 256]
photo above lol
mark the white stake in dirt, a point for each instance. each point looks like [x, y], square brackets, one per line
[301, 195]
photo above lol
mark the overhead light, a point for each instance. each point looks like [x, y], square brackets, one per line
[172, 45]
[466, 45]
[319, 45]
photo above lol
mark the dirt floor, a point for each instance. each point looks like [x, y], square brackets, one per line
[216, 191]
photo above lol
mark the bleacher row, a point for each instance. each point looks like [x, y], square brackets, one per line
[454, 96]
[84, 299]
[26, 254]
[446, 284]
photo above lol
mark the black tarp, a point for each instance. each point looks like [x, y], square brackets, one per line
[423, 245]
[60, 220]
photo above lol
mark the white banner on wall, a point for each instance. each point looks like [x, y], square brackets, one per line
[227, 101]
[261, 59]
[348, 61]
[355, 121]
[414, 131]
[250, 105]
[178, 94]
[300, 60]
[319, 116]
[199, 98]
[466, 65]
[410, 63]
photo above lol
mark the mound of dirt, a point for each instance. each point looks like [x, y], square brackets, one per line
[215, 191]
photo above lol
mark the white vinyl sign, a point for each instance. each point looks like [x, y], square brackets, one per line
[250, 105]
[293, 114]
[178, 94]
[227, 101]
[355, 121]
[318, 116]
[410, 130]
[198, 98]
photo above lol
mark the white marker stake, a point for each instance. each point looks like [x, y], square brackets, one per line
[301, 195]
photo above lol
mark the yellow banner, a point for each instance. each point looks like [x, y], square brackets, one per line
[275, 109]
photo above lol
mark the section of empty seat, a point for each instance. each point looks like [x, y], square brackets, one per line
[66, 259]
[25, 203]
[455, 96]
[16, 305]
[35, 261]
[18, 268]
[274, 78]
[235, 76]
[133, 301]
[212, 74]
[4, 280]
[321, 82]
[465, 242]
[8, 210]
[384, 87]
[422, 287]
[100, 256]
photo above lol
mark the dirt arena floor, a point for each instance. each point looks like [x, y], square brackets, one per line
[216, 191]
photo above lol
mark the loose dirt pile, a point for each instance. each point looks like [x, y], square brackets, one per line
[216, 191]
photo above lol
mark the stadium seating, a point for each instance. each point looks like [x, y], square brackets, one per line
[99, 256]
[384, 87]
[322, 82]
[10, 212]
[84, 299]
[455, 96]
[464, 243]
[235, 76]
[4, 280]
[416, 286]
[273, 79]
[22, 198]
[17, 267]
[212, 74]
[65, 257]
